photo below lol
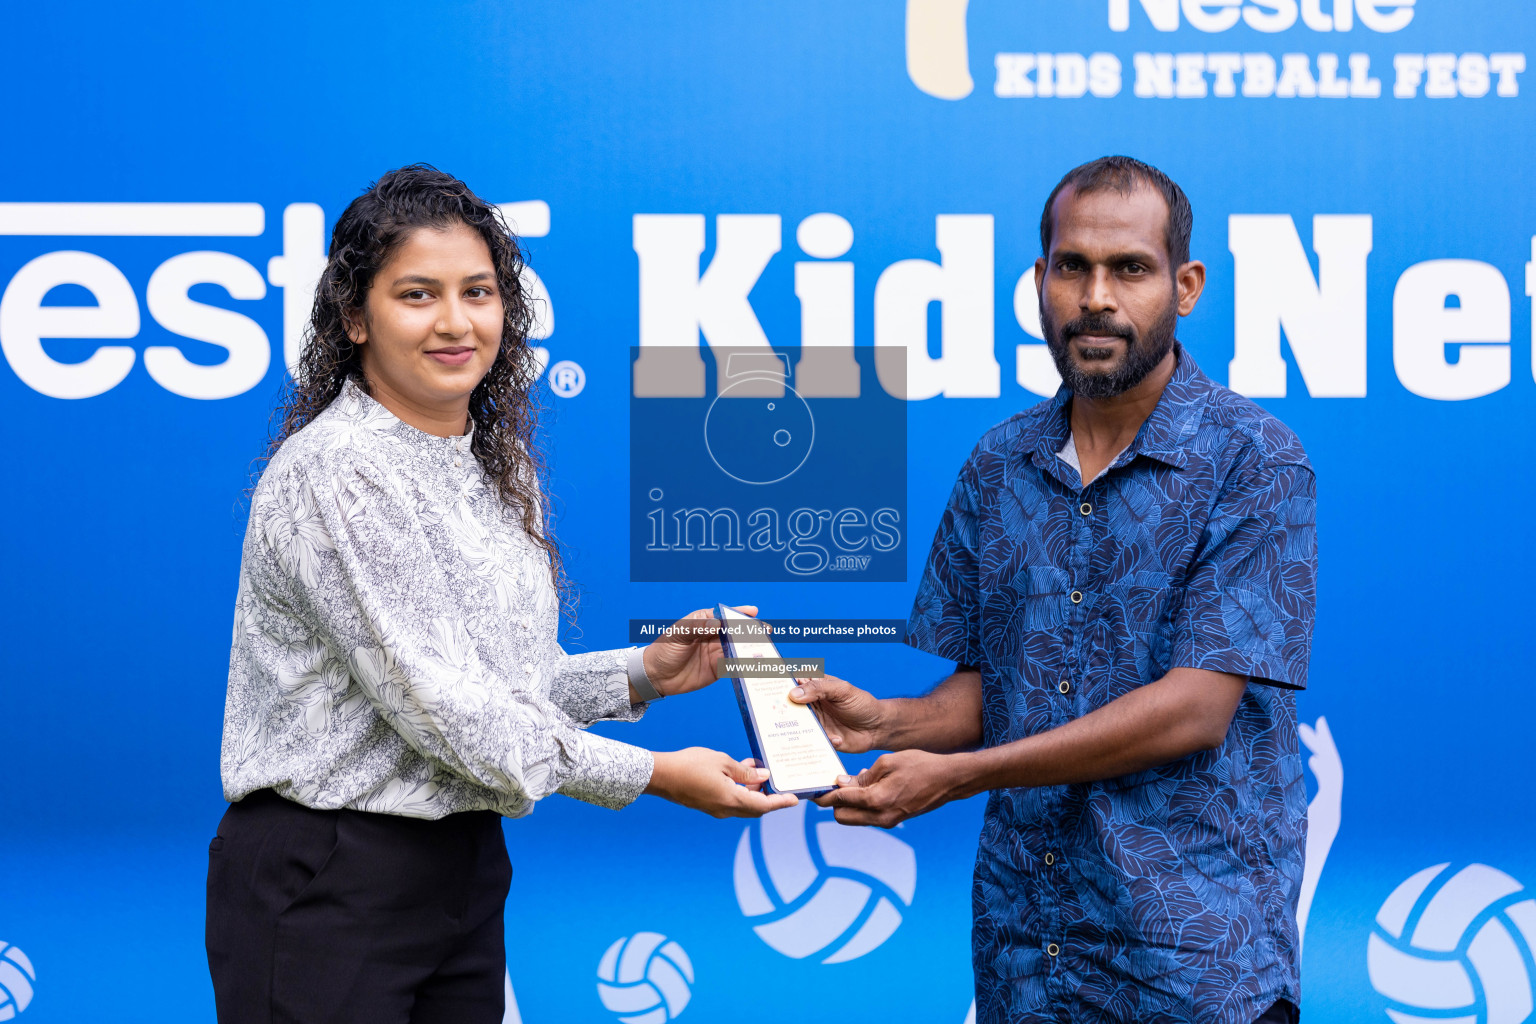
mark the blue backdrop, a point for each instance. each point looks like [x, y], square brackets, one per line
[1356, 171]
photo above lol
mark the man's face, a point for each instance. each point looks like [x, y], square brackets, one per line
[1109, 300]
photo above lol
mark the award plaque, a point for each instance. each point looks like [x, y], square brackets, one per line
[786, 738]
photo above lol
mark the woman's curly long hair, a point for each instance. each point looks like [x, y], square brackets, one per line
[367, 235]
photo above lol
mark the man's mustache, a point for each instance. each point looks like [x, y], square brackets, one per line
[1097, 325]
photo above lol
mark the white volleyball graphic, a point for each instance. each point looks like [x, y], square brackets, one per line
[645, 978]
[16, 979]
[818, 886]
[1452, 947]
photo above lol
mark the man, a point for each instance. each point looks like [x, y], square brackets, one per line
[1124, 577]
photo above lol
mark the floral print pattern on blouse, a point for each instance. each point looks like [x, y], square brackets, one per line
[395, 641]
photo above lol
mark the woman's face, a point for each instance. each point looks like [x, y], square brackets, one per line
[432, 324]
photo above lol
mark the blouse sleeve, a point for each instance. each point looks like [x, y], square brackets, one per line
[361, 570]
[594, 687]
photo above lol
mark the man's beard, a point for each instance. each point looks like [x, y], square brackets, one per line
[1141, 354]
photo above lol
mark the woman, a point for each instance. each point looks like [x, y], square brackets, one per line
[395, 684]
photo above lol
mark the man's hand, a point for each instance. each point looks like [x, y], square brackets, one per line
[684, 658]
[896, 787]
[853, 718]
[714, 783]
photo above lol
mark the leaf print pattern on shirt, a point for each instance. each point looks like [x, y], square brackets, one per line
[1168, 894]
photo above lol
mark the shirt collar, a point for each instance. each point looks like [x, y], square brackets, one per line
[362, 409]
[1163, 436]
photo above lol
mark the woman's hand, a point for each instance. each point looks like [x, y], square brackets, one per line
[684, 659]
[714, 783]
[853, 718]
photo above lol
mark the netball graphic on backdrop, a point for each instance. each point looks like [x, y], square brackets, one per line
[812, 887]
[1455, 945]
[17, 976]
[645, 979]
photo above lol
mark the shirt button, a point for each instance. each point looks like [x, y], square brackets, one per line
[1085, 508]
[528, 666]
[1053, 949]
[1077, 597]
[1050, 859]
[1064, 686]
[458, 462]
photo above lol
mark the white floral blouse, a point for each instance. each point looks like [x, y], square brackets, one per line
[395, 638]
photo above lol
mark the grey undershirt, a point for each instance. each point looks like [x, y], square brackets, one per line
[1068, 454]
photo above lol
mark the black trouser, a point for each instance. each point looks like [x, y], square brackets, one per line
[342, 916]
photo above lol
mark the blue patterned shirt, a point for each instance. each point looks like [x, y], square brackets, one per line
[1168, 895]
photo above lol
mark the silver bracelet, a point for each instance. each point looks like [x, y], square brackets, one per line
[638, 680]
